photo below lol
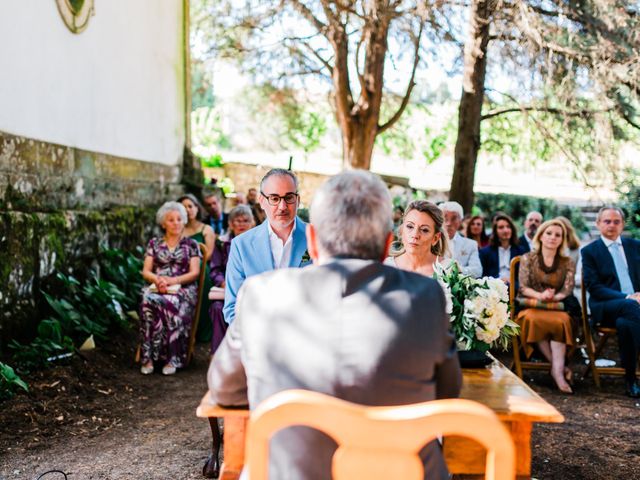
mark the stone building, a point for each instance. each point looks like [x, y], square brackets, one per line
[94, 134]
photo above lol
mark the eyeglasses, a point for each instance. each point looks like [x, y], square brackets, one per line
[274, 200]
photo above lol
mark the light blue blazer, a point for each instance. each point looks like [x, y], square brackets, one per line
[250, 255]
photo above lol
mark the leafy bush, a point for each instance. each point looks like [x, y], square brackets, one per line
[10, 382]
[629, 191]
[517, 207]
[93, 307]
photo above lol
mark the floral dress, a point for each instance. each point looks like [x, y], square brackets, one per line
[165, 319]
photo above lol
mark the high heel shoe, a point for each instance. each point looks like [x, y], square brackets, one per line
[211, 467]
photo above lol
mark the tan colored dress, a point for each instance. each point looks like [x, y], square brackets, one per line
[538, 324]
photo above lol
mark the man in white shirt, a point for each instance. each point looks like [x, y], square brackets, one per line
[464, 250]
[280, 242]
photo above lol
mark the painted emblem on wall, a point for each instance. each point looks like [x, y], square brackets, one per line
[76, 13]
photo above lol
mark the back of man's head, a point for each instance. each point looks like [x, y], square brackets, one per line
[351, 215]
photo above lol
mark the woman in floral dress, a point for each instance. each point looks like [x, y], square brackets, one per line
[171, 266]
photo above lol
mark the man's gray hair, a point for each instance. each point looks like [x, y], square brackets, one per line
[279, 172]
[171, 207]
[533, 212]
[351, 213]
[610, 207]
[454, 207]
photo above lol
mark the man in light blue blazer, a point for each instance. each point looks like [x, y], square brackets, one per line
[280, 242]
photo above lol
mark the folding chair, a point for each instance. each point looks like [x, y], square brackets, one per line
[379, 443]
[595, 350]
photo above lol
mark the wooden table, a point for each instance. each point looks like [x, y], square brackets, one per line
[495, 386]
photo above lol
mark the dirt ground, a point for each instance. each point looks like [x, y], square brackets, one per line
[98, 418]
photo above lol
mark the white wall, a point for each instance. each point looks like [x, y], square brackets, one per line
[115, 88]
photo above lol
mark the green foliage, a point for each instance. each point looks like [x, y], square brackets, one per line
[10, 382]
[206, 129]
[201, 86]
[212, 161]
[517, 207]
[629, 191]
[95, 307]
[295, 122]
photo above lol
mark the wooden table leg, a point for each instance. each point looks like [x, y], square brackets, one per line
[234, 437]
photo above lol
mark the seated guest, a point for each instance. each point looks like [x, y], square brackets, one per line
[240, 220]
[252, 201]
[280, 241]
[475, 231]
[201, 233]
[611, 272]
[424, 242]
[573, 242]
[531, 223]
[213, 199]
[348, 326]
[503, 246]
[464, 250]
[546, 276]
[171, 266]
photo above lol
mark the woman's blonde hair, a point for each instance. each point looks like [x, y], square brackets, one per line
[573, 242]
[537, 246]
[441, 248]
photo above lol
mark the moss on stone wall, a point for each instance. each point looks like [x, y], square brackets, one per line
[34, 246]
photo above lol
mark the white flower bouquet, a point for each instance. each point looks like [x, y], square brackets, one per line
[478, 309]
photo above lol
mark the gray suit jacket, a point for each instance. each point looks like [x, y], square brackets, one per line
[354, 329]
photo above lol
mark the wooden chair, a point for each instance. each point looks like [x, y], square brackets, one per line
[201, 295]
[379, 442]
[516, 344]
[196, 318]
[594, 350]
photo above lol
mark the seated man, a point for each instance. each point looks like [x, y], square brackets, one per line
[611, 273]
[464, 250]
[348, 326]
[531, 223]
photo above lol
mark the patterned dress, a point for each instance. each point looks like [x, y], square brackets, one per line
[165, 320]
[218, 268]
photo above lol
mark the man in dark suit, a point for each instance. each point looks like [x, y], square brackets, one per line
[531, 223]
[348, 326]
[212, 199]
[611, 272]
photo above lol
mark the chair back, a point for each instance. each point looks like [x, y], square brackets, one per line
[514, 268]
[379, 442]
[201, 293]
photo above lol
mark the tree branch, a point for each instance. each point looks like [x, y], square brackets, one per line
[405, 101]
[556, 111]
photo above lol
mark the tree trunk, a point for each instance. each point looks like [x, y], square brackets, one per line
[470, 108]
[358, 121]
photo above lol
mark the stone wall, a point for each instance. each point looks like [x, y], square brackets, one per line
[42, 176]
[58, 207]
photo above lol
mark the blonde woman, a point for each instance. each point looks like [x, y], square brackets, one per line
[423, 239]
[546, 284]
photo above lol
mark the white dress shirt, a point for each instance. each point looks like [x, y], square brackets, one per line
[281, 252]
[608, 243]
[504, 262]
